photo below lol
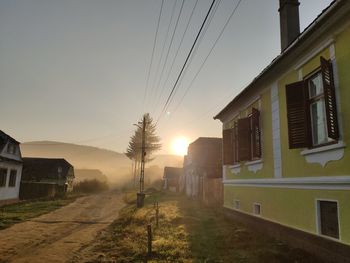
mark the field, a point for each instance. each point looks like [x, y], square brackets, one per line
[19, 212]
[187, 232]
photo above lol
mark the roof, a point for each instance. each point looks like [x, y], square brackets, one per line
[308, 31]
[207, 140]
[37, 168]
[4, 138]
[172, 172]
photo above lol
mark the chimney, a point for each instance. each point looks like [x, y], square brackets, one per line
[289, 21]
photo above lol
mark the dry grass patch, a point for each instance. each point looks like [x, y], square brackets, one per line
[187, 232]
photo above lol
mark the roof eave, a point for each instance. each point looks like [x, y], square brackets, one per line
[297, 42]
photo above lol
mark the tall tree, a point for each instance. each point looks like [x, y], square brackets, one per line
[152, 143]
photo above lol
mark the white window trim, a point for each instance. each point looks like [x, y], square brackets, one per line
[326, 148]
[325, 154]
[236, 168]
[314, 53]
[254, 166]
[334, 152]
[318, 218]
[234, 204]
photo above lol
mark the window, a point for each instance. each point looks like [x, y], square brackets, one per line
[11, 148]
[328, 218]
[237, 204]
[3, 176]
[12, 181]
[243, 142]
[311, 109]
[256, 209]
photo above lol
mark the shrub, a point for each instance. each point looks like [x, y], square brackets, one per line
[90, 186]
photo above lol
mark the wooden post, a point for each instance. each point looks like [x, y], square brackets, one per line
[149, 238]
[157, 214]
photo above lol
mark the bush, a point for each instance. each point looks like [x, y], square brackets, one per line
[91, 186]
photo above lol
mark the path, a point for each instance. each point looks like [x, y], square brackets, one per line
[58, 236]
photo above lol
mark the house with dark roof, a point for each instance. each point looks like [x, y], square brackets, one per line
[202, 177]
[46, 177]
[171, 178]
[10, 168]
[286, 137]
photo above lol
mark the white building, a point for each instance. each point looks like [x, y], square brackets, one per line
[10, 168]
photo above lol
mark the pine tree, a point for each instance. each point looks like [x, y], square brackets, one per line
[152, 144]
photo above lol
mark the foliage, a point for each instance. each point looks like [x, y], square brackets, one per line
[188, 232]
[152, 141]
[90, 186]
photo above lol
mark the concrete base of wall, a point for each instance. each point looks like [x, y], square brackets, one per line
[8, 201]
[326, 249]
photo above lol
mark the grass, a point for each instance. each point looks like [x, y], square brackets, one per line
[187, 232]
[19, 212]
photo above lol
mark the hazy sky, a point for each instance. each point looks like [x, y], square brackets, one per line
[76, 70]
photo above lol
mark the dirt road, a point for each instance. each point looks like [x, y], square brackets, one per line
[61, 234]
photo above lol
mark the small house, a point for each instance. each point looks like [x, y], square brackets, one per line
[10, 169]
[202, 177]
[171, 178]
[45, 177]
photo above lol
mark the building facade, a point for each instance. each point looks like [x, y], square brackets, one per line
[202, 177]
[46, 177]
[10, 169]
[286, 135]
[171, 178]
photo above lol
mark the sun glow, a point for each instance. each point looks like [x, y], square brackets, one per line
[179, 146]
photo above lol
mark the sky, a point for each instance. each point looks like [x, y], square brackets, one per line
[76, 70]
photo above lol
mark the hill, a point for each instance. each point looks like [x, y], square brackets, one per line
[116, 166]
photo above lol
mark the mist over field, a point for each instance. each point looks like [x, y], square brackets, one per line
[115, 166]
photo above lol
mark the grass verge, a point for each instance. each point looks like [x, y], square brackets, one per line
[19, 212]
[187, 232]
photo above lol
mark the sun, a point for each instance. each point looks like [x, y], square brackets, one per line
[179, 146]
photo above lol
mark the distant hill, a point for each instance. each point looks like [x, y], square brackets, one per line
[116, 166]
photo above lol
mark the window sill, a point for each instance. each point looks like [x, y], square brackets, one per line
[254, 166]
[324, 154]
[236, 168]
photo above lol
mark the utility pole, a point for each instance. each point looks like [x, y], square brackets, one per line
[141, 194]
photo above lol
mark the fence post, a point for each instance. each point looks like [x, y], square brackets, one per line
[149, 238]
[157, 214]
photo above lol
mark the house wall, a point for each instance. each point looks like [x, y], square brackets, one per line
[291, 207]
[255, 169]
[10, 193]
[287, 182]
[314, 166]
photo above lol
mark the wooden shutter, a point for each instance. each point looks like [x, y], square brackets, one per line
[244, 139]
[256, 141]
[299, 132]
[329, 98]
[227, 146]
[235, 143]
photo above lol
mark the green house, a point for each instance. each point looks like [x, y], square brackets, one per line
[286, 136]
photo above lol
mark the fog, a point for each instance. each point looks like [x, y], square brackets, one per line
[114, 166]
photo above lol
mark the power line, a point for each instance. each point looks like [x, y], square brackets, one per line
[199, 43]
[176, 54]
[188, 56]
[195, 49]
[200, 39]
[169, 47]
[165, 40]
[153, 49]
[211, 50]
